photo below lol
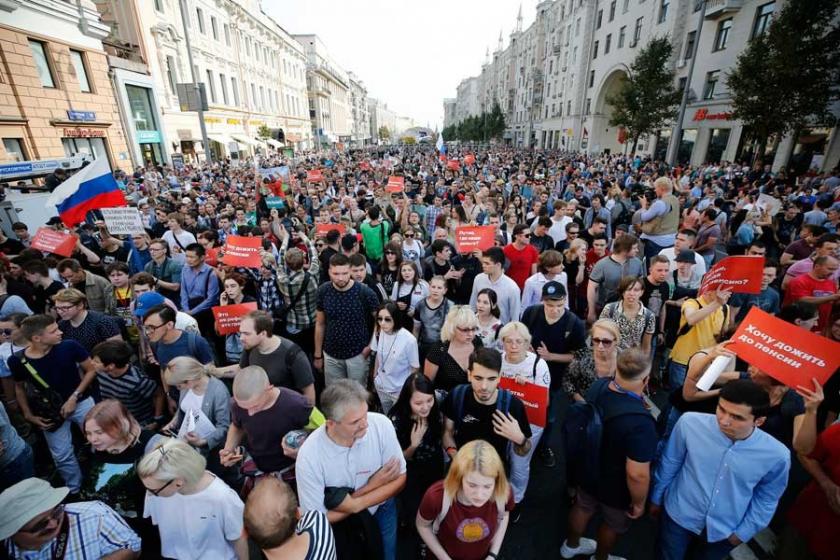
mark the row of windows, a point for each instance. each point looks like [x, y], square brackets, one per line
[46, 68]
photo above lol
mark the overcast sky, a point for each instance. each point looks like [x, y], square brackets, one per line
[409, 53]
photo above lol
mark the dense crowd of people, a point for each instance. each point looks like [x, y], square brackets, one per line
[372, 401]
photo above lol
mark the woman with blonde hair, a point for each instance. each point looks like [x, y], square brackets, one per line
[198, 515]
[523, 366]
[447, 363]
[203, 414]
[595, 361]
[465, 516]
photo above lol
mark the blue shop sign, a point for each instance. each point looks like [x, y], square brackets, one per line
[86, 116]
[148, 137]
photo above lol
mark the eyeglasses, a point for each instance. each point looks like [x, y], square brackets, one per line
[152, 328]
[42, 525]
[467, 329]
[605, 342]
[384, 320]
[159, 490]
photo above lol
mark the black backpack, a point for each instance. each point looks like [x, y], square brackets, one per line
[583, 432]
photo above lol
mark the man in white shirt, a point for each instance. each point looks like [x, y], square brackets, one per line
[354, 449]
[558, 229]
[507, 291]
[684, 240]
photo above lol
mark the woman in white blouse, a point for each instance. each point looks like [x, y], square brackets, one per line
[397, 355]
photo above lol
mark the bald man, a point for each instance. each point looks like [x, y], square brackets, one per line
[274, 522]
[262, 415]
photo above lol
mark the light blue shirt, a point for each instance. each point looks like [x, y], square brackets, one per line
[658, 208]
[193, 284]
[718, 484]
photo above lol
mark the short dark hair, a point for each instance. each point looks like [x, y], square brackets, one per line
[357, 259]
[745, 391]
[35, 325]
[801, 310]
[72, 264]
[518, 229]
[263, 321]
[689, 232]
[116, 352]
[438, 245]
[339, 260]
[495, 254]
[166, 313]
[710, 213]
[144, 279]
[486, 357]
[116, 267]
[196, 248]
[826, 238]
[545, 221]
[36, 267]
[373, 212]
[332, 236]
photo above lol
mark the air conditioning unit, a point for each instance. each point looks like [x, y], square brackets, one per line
[681, 63]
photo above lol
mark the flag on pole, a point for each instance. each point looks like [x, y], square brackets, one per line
[441, 147]
[91, 188]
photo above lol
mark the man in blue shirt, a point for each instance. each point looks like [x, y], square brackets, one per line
[200, 292]
[723, 488]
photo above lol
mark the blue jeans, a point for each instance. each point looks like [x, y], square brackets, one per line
[21, 468]
[386, 516]
[674, 541]
[60, 443]
[652, 249]
[676, 374]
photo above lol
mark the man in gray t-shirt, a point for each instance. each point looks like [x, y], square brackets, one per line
[608, 272]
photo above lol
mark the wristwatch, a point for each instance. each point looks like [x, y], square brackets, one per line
[77, 395]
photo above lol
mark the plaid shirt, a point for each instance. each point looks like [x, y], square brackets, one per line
[302, 315]
[432, 213]
[95, 531]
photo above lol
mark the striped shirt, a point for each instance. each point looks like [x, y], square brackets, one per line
[321, 540]
[134, 389]
[302, 315]
[432, 213]
[95, 531]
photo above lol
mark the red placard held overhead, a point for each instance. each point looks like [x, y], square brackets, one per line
[469, 159]
[740, 274]
[470, 238]
[228, 317]
[51, 241]
[314, 176]
[533, 396]
[453, 165]
[783, 351]
[395, 184]
[321, 230]
[243, 251]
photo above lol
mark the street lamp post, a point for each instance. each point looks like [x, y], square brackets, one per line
[676, 137]
[207, 153]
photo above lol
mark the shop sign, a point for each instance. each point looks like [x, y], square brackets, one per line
[87, 116]
[705, 115]
[148, 137]
[234, 121]
[84, 132]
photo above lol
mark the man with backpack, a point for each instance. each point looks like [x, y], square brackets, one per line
[480, 410]
[610, 442]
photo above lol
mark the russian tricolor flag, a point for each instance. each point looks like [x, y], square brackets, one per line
[91, 188]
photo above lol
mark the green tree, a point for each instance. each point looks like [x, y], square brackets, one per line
[384, 133]
[263, 132]
[495, 122]
[790, 74]
[647, 99]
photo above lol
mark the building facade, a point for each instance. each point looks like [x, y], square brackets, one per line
[449, 106]
[382, 120]
[554, 78]
[329, 94]
[56, 98]
[360, 129]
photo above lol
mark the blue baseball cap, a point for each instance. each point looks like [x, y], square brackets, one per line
[146, 301]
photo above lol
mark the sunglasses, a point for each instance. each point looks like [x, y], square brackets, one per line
[467, 329]
[6, 332]
[384, 320]
[161, 489]
[42, 526]
[605, 342]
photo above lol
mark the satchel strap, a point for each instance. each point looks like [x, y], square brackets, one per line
[32, 371]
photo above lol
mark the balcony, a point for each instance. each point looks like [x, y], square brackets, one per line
[557, 48]
[719, 8]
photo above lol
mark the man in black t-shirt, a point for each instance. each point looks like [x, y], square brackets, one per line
[628, 446]
[479, 417]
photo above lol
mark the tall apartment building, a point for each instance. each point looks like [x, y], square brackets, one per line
[56, 97]
[554, 78]
[360, 128]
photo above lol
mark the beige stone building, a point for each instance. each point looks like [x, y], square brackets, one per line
[56, 97]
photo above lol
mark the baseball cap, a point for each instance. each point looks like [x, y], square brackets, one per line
[553, 290]
[686, 256]
[24, 501]
[146, 301]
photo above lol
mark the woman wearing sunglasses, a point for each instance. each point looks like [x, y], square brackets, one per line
[595, 362]
[198, 515]
[396, 356]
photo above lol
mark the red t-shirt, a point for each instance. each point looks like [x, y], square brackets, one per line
[807, 286]
[592, 258]
[521, 262]
[466, 532]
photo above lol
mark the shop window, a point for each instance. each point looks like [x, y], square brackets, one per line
[717, 144]
[94, 147]
[689, 137]
[14, 149]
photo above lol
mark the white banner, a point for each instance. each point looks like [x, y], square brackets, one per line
[123, 221]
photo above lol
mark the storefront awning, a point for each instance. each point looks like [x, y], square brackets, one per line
[274, 143]
[222, 139]
[242, 139]
[292, 137]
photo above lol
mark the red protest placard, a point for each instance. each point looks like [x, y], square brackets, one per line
[51, 241]
[314, 176]
[243, 251]
[228, 317]
[321, 230]
[470, 238]
[740, 274]
[395, 184]
[469, 159]
[364, 166]
[533, 396]
[783, 351]
[453, 164]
